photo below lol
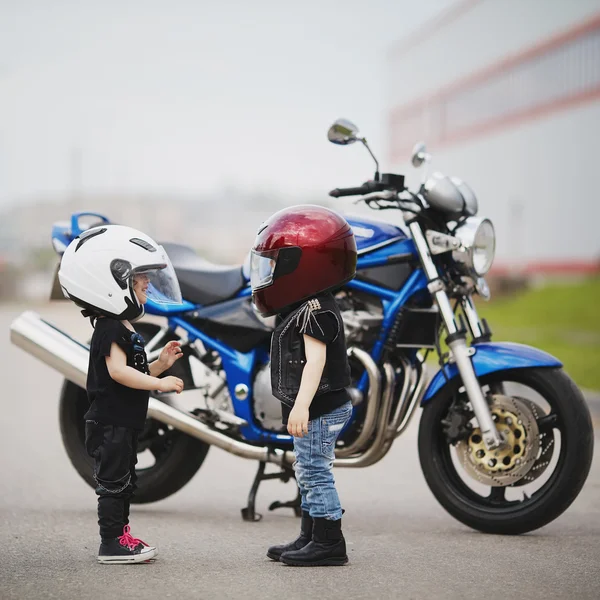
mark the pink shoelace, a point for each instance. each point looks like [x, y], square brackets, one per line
[128, 540]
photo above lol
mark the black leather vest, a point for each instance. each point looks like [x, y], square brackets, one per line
[288, 357]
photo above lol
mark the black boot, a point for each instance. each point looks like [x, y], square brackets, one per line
[327, 548]
[306, 530]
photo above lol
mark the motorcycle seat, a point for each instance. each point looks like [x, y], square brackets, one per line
[201, 281]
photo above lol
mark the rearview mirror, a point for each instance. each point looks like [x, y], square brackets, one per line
[419, 154]
[343, 132]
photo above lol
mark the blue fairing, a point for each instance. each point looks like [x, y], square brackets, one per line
[372, 234]
[382, 256]
[64, 233]
[240, 368]
[379, 245]
[492, 357]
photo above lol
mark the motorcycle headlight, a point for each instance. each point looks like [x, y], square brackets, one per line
[478, 245]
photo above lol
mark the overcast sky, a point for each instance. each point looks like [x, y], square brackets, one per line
[188, 96]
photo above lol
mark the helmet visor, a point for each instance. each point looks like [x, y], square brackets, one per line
[262, 267]
[160, 282]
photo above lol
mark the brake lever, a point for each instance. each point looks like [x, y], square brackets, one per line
[383, 195]
[414, 199]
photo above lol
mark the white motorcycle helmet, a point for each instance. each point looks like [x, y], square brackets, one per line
[98, 267]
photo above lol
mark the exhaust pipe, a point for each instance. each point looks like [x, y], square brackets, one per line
[373, 406]
[53, 347]
[188, 424]
[70, 358]
[377, 449]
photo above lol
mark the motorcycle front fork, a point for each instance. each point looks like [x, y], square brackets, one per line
[457, 341]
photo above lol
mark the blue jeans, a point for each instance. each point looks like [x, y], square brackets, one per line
[314, 461]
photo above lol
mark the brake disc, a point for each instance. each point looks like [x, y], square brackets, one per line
[546, 448]
[515, 418]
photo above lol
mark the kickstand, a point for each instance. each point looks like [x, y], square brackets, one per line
[249, 513]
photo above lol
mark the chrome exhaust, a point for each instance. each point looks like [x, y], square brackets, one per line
[413, 399]
[377, 450]
[189, 424]
[391, 426]
[407, 388]
[373, 404]
[53, 347]
[70, 358]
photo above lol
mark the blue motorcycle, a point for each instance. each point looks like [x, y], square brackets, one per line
[505, 437]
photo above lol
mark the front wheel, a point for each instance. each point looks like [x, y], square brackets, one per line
[534, 477]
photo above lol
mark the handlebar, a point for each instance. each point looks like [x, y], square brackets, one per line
[382, 199]
[388, 182]
[352, 191]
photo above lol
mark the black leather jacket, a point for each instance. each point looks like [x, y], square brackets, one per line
[288, 357]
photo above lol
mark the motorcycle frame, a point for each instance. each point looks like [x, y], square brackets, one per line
[241, 367]
[470, 362]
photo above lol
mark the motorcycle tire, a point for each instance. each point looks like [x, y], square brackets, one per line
[494, 513]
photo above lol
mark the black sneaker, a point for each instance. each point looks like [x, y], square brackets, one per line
[125, 549]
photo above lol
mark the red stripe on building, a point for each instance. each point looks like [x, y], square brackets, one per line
[522, 117]
[435, 104]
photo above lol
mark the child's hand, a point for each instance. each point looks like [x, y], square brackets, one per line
[170, 384]
[169, 354]
[298, 421]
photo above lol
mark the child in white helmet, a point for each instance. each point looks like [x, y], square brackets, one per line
[110, 272]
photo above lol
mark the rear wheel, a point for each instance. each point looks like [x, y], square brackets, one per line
[167, 458]
[535, 477]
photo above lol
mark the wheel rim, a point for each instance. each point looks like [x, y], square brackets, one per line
[506, 496]
[515, 421]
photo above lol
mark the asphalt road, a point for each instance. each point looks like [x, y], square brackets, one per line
[401, 543]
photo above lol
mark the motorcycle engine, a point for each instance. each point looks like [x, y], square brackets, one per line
[362, 318]
[267, 409]
[213, 402]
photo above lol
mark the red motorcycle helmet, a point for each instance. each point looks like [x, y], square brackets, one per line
[300, 252]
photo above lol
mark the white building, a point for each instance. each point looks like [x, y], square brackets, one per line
[506, 94]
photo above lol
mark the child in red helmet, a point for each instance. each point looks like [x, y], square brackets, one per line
[300, 256]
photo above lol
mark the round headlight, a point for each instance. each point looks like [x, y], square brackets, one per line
[478, 245]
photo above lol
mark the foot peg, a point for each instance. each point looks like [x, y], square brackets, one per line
[293, 504]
